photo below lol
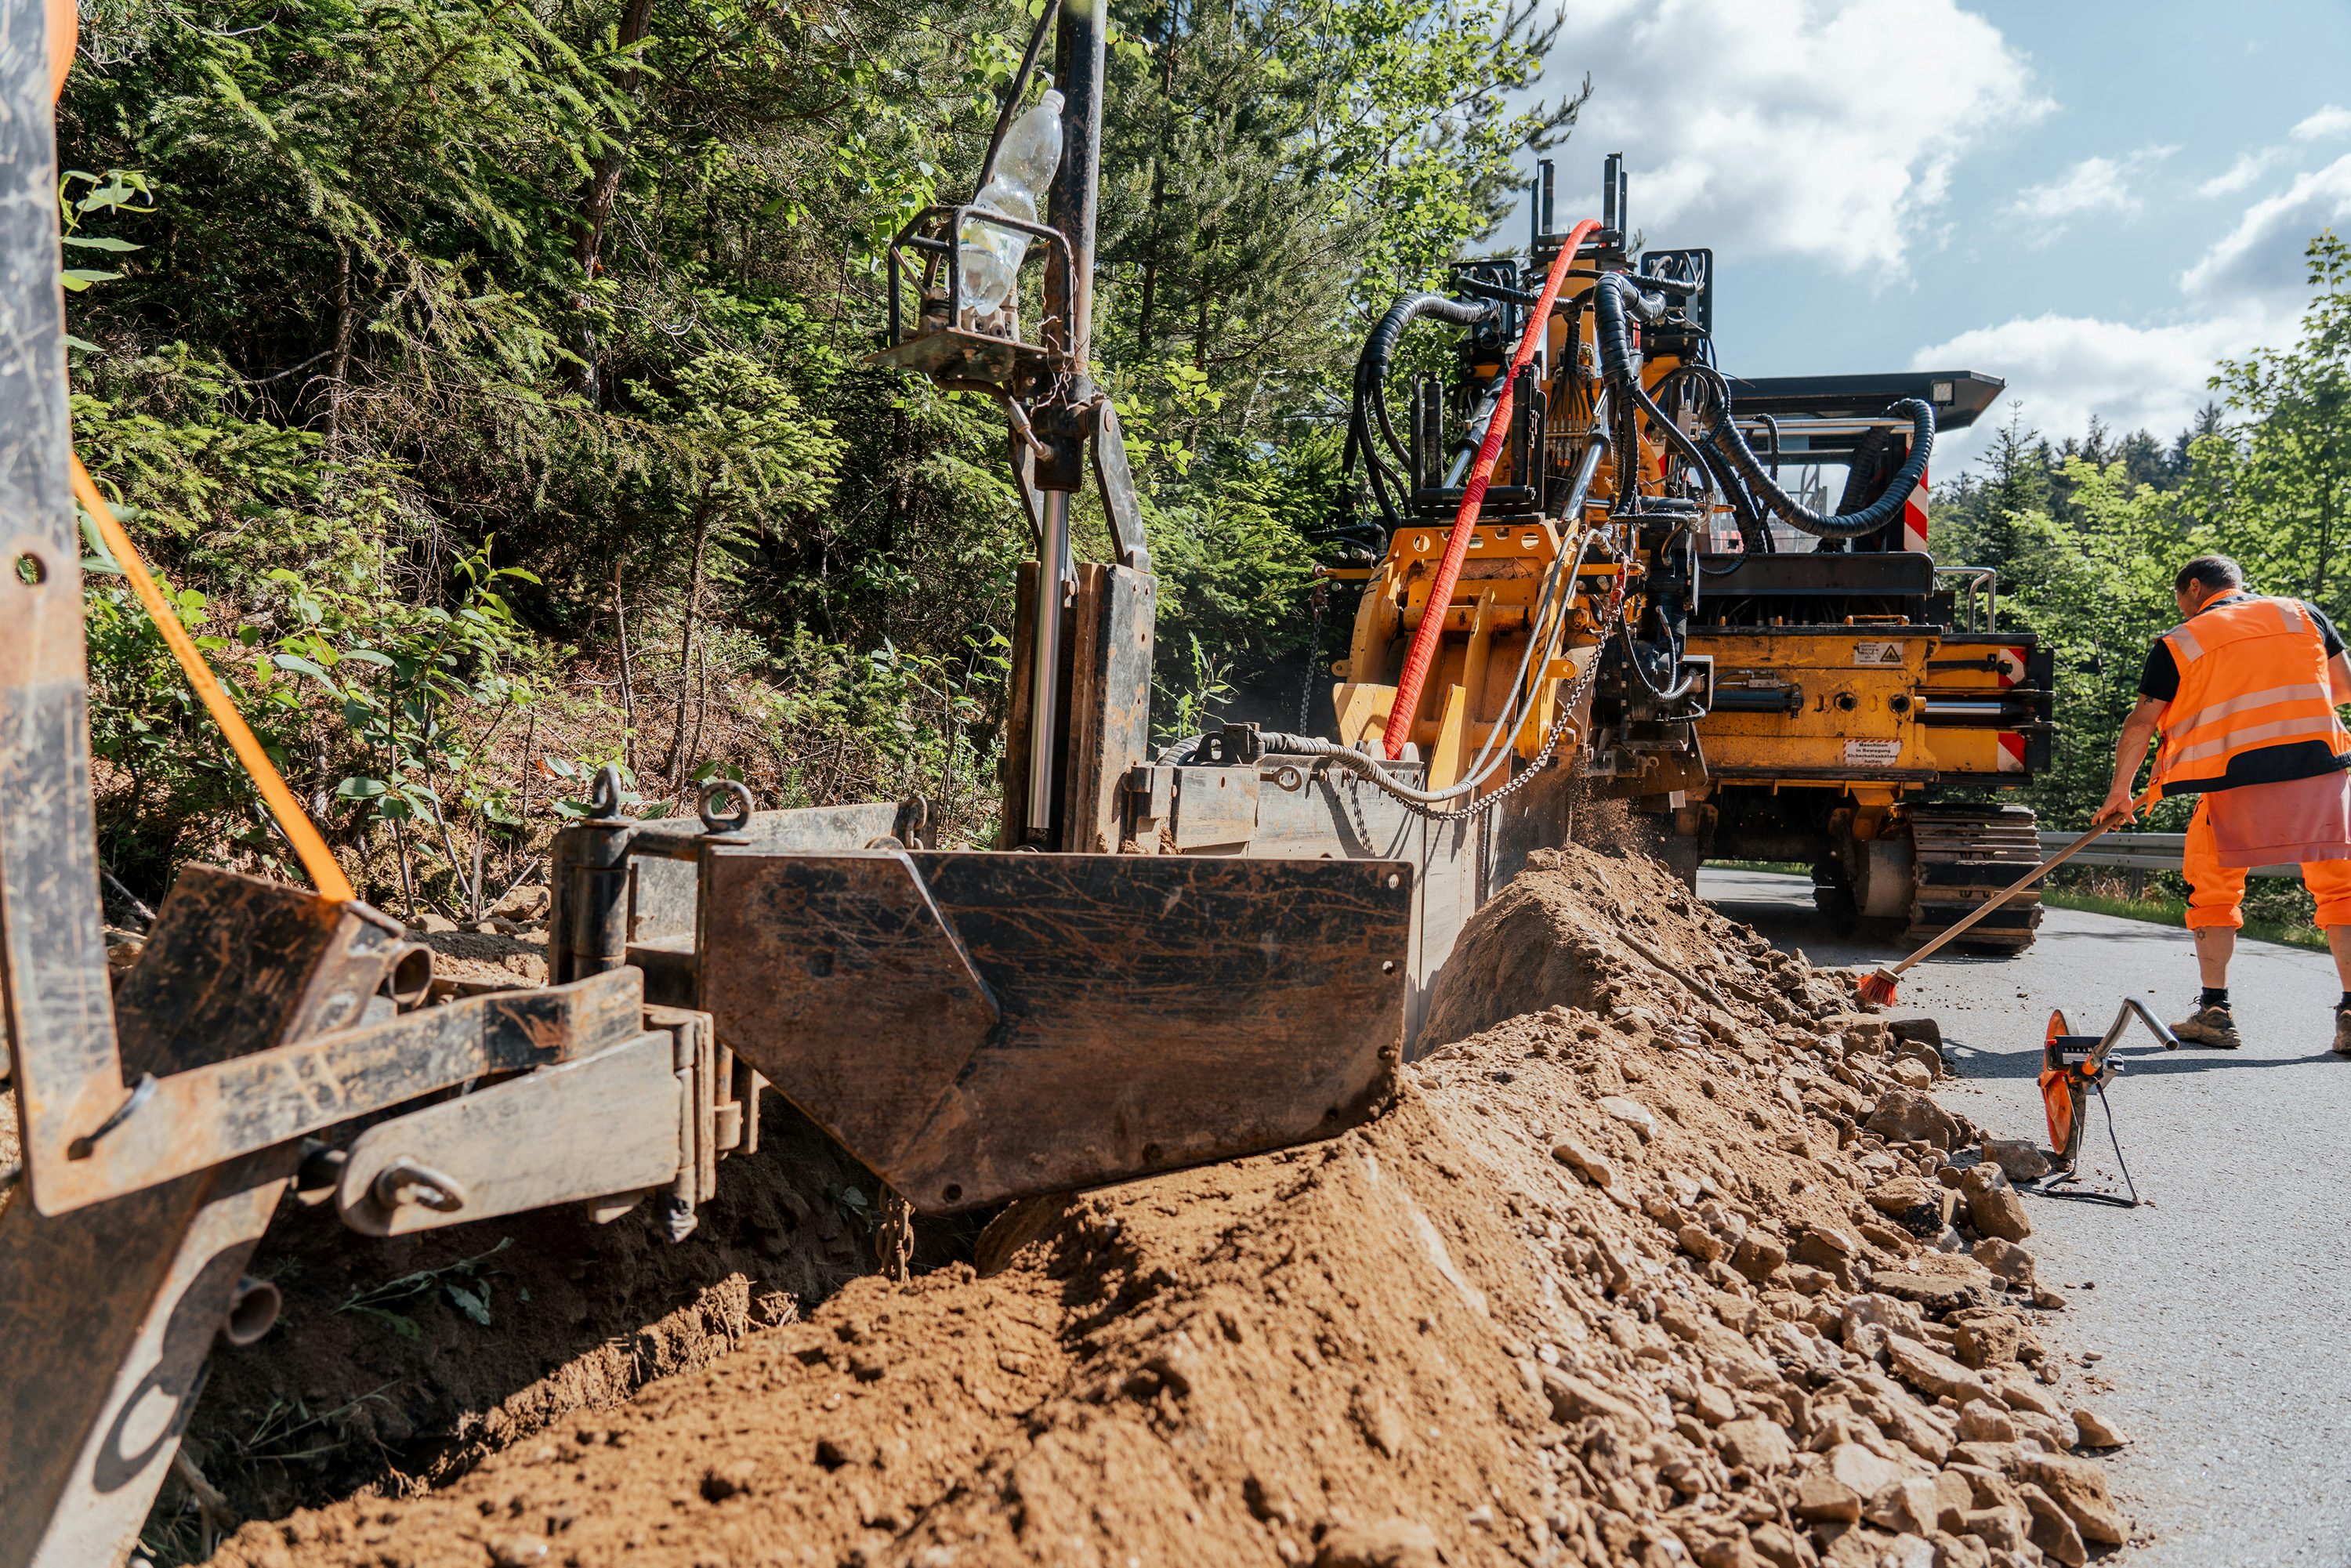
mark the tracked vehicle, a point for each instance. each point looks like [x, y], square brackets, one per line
[1785, 682]
[1869, 710]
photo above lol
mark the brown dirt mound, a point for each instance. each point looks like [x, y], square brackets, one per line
[399, 1363]
[1622, 1280]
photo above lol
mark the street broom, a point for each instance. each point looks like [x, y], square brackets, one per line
[1879, 989]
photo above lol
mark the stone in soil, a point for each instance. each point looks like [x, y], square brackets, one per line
[1393, 1544]
[2005, 1258]
[2096, 1432]
[1906, 1115]
[2021, 1160]
[1999, 1212]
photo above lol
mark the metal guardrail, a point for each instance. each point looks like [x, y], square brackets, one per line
[2140, 851]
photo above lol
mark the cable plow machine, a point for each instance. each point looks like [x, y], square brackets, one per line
[1743, 672]
[1870, 711]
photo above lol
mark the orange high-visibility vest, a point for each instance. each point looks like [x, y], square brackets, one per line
[2252, 674]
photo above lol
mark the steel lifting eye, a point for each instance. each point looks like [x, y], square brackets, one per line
[604, 792]
[717, 794]
[407, 1181]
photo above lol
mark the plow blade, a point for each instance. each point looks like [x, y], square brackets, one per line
[977, 1027]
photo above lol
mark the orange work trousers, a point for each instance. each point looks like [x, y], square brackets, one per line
[2216, 894]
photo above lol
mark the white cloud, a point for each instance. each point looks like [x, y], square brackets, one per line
[2093, 185]
[2331, 121]
[2248, 168]
[2248, 288]
[2264, 254]
[2061, 369]
[1823, 128]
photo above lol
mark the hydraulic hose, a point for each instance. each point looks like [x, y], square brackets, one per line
[1423, 652]
[1367, 418]
[1616, 299]
[1371, 366]
[1619, 297]
[1725, 438]
[1754, 536]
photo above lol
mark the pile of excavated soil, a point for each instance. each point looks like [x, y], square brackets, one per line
[1665, 1262]
[400, 1363]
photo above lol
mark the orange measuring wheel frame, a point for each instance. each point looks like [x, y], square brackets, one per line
[2061, 1086]
[2075, 1066]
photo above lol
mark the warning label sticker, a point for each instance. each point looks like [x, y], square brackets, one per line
[1872, 751]
[1877, 652]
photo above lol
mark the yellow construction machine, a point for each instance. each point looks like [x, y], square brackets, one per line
[1746, 674]
[1869, 711]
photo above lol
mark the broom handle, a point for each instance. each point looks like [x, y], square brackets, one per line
[2019, 885]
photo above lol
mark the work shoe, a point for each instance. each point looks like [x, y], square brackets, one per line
[2212, 1026]
[2343, 1031]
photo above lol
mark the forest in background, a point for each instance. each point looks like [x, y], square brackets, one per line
[486, 380]
[2088, 533]
[485, 377]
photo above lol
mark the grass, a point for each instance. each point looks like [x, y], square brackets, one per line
[2173, 912]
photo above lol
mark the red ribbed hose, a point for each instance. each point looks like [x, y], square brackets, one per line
[1465, 522]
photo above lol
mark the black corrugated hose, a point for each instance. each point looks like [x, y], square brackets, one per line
[1618, 298]
[1368, 425]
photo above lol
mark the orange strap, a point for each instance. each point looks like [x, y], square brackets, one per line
[317, 859]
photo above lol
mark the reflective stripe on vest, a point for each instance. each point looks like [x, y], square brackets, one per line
[2252, 674]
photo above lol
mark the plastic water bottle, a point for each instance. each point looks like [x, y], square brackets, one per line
[990, 256]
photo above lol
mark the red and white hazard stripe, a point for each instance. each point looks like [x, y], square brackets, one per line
[1914, 516]
[2011, 752]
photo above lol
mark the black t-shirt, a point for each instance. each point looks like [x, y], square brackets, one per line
[2159, 679]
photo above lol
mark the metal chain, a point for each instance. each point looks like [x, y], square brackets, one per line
[1318, 595]
[893, 1238]
[1574, 697]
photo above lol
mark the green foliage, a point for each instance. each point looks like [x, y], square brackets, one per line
[486, 382]
[2277, 484]
[464, 1284]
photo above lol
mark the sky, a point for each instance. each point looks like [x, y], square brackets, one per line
[2094, 200]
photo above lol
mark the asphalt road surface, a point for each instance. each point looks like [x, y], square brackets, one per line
[2223, 1306]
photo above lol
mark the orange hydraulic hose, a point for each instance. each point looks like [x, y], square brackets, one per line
[1423, 652]
[317, 859]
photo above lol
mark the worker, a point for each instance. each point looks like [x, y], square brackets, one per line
[2243, 691]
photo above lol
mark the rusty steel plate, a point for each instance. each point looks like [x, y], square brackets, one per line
[1152, 1011]
[846, 948]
